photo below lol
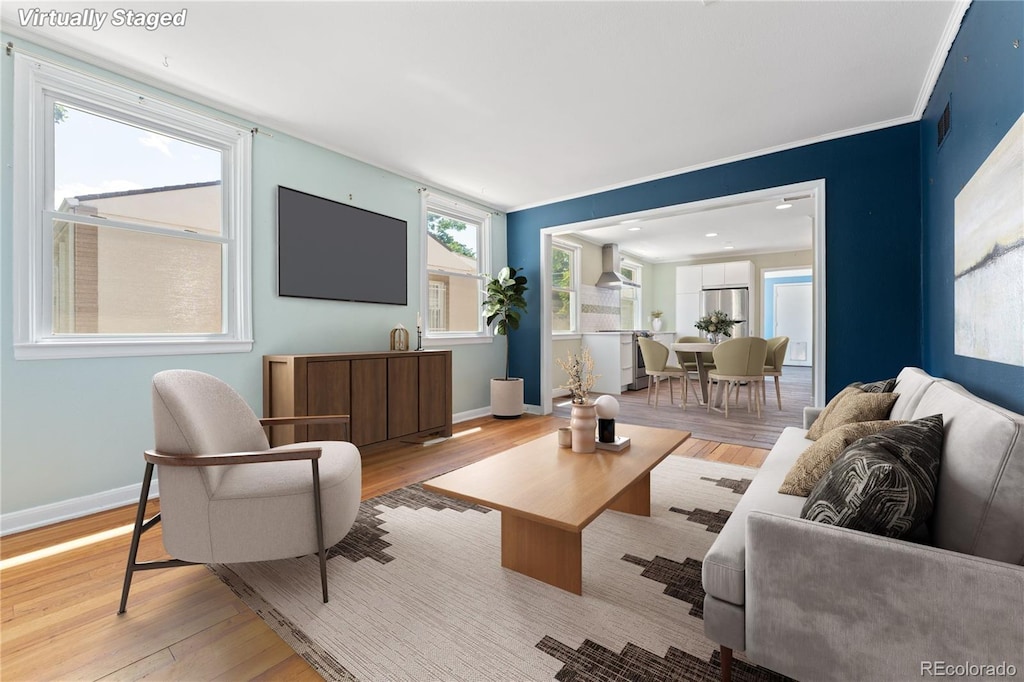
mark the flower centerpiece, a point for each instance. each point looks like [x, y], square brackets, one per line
[714, 324]
[579, 370]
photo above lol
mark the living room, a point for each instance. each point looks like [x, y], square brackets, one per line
[74, 428]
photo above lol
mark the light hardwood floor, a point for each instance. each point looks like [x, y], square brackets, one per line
[58, 613]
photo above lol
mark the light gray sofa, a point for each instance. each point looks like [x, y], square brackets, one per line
[818, 602]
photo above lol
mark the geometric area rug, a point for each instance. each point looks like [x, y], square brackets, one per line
[418, 592]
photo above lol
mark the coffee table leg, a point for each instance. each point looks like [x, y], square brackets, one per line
[546, 553]
[636, 499]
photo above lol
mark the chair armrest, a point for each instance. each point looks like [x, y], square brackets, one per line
[828, 603]
[810, 414]
[154, 457]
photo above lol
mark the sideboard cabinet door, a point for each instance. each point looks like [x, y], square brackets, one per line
[435, 403]
[403, 397]
[369, 401]
[327, 392]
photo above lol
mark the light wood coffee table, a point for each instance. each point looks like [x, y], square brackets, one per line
[547, 495]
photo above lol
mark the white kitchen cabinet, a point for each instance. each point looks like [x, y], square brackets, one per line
[687, 312]
[713, 275]
[688, 279]
[739, 273]
[613, 360]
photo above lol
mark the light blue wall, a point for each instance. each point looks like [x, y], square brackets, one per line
[72, 428]
[769, 298]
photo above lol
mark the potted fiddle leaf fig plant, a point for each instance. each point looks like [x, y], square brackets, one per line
[503, 306]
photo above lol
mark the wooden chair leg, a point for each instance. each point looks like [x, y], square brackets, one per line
[757, 400]
[778, 392]
[317, 510]
[728, 391]
[650, 380]
[671, 399]
[726, 663]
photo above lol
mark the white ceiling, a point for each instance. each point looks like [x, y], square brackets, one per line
[521, 103]
[748, 228]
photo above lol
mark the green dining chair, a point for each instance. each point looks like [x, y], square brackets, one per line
[739, 361]
[773, 365]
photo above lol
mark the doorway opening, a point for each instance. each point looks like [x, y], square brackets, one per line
[814, 190]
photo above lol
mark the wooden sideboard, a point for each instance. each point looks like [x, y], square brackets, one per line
[399, 395]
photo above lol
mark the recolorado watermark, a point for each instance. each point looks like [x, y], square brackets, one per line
[94, 19]
[967, 669]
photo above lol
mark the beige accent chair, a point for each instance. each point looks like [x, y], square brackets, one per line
[655, 362]
[226, 496]
[773, 366]
[736, 361]
[689, 362]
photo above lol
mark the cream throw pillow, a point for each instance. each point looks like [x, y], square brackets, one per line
[817, 429]
[813, 462]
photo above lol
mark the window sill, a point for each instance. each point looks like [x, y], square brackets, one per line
[442, 341]
[107, 348]
[566, 336]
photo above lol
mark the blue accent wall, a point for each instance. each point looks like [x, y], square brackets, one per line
[873, 244]
[986, 93]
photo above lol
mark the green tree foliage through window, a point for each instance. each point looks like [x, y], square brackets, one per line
[444, 229]
[561, 289]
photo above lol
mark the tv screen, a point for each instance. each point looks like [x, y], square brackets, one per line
[334, 251]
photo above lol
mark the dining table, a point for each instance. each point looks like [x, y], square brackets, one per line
[698, 349]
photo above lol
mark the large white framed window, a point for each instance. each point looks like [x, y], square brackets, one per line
[565, 285]
[131, 222]
[457, 263]
[629, 296]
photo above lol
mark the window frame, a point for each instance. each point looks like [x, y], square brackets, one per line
[638, 301]
[575, 251]
[432, 202]
[36, 84]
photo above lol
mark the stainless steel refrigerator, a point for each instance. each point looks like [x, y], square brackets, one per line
[735, 302]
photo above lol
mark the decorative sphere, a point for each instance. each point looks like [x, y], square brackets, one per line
[607, 407]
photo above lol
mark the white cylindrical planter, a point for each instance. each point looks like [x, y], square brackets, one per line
[583, 422]
[507, 398]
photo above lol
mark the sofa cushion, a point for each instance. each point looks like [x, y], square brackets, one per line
[980, 499]
[819, 457]
[856, 406]
[884, 483]
[911, 383]
[723, 571]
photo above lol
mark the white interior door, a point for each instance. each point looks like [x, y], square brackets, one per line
[794, 318]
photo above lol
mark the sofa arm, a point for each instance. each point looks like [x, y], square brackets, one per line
[810, 414]
[828, 603]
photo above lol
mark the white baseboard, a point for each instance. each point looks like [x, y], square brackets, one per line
[44, 515]
[559, 392]
[470, 414]
[534, 409]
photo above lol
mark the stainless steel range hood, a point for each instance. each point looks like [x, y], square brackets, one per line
[610, 277]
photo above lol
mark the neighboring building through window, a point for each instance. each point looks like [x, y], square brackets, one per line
[141, 209]
[629, 297]
[565, 265]
[456, 248]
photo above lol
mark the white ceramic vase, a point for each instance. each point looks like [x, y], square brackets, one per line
[656, 324]
[583, 422]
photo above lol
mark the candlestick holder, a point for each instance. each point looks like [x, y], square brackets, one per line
[419, 339]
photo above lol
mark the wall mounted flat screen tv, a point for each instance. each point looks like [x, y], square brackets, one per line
[339, 252]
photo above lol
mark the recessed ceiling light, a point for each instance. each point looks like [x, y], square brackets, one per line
[783, 205]
[728, 246]
[635, 228]
[711, 234]
[631, 220]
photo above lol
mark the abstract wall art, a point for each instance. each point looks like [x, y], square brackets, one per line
[989, 256]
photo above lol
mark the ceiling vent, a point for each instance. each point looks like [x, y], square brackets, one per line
[944, 125]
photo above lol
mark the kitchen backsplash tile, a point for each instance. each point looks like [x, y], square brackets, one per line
[599, 308]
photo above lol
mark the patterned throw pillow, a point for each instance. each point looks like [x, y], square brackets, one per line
[813, 462]
[855, 407]
[882, 484]
[817, 429]
[883, 386]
